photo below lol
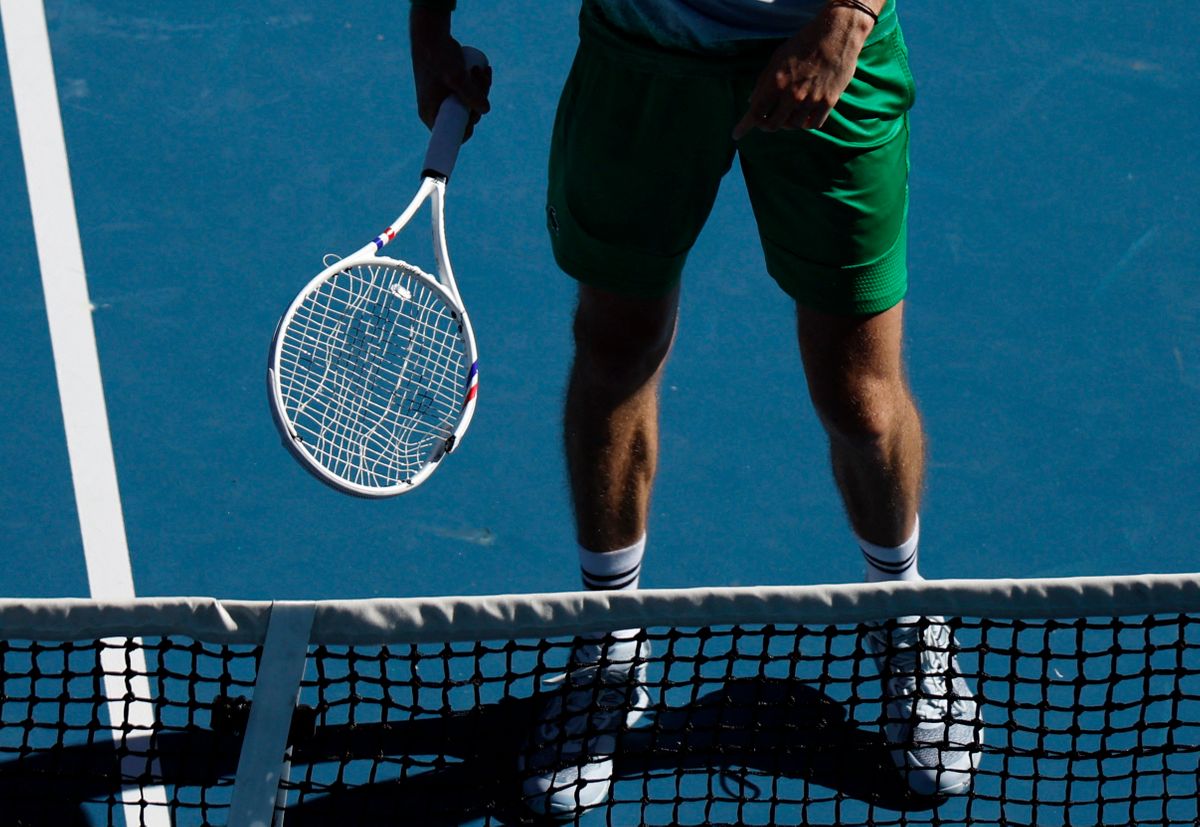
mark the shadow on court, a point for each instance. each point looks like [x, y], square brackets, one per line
[463, 767]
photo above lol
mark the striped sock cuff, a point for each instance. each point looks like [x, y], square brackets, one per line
[898, 563]
[893, 571]
[612, 570]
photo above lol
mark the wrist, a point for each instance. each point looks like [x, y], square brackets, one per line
[860, 16]
[427, 26]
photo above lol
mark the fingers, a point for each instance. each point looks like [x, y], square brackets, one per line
[481, 79]
[785, 114]
[812, 115]
[441, 72]
[783, 100]
[762, 103]
[790, 98]
[799, 111]
[817, 118]
[472, 89]
[743, 127]
[472, 119]
[471, 86]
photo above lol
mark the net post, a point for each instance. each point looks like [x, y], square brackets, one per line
[263, 761]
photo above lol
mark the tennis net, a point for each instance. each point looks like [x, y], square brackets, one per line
[764, 706]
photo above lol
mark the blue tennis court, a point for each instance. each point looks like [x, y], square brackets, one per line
[217, 151]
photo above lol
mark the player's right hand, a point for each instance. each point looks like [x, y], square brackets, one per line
[439, 69]
[807, 74]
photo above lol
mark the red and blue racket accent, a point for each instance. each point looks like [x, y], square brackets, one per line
[472, 383]
[382, 240]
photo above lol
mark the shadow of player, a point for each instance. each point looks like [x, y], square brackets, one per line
[750, 730]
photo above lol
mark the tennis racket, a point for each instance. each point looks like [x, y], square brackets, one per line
[373, 372]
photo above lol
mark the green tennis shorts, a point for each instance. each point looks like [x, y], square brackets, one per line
[641, 142]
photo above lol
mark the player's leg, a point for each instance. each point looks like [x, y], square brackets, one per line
[611, 439]
[636, 159]
[831, 208]
[611, 414]
[639, 148]
[857, 383]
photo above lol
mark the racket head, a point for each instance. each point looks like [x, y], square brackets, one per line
[372, 375]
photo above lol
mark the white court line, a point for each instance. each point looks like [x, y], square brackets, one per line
[81, 392]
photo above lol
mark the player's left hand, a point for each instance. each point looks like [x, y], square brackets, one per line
[807, 74]
[440, 71]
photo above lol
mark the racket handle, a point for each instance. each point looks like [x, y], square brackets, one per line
[450, 126]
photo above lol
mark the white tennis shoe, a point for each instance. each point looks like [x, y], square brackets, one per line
[931, 720]
[567, 766]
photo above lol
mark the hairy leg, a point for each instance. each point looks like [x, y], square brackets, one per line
[611, 417]
[856, 378]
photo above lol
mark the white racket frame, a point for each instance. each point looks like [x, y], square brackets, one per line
[443, 149]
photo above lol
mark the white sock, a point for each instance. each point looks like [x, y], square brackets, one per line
[898, 563]
[616, 570]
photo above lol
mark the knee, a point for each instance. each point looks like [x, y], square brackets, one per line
[619, 345]
[862, 414]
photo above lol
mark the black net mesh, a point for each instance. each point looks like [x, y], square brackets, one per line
[1088, 721]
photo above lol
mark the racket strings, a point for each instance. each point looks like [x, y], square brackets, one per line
[400, 423]
[362, 340]
[373, 370]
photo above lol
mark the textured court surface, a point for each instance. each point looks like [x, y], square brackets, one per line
[218, 151]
